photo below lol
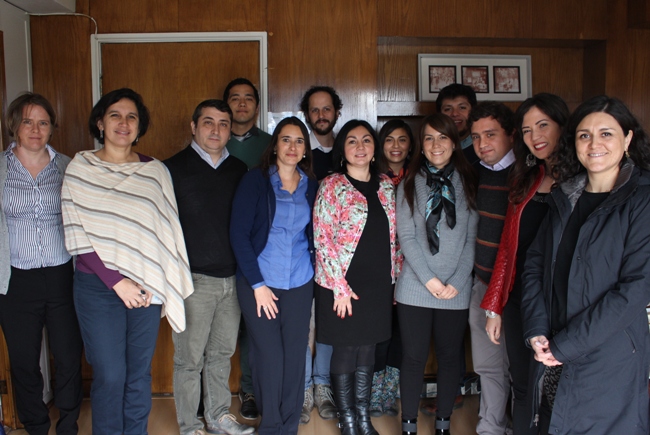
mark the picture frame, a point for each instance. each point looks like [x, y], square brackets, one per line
[493, 77]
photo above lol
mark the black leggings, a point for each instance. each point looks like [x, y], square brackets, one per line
[346, 359]
[448, 330]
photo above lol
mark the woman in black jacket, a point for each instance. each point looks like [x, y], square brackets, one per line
[587, 278]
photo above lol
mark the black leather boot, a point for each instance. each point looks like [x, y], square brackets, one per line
[410, 427]
[442, 426]
[362, 391]
[343, 389]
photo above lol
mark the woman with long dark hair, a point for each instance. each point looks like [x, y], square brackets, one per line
[436, 225]
[539, 122]
[272, 238]
[586, 281]
[397, 142]
[357, 262]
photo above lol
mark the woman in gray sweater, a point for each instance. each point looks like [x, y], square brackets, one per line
[436, 227]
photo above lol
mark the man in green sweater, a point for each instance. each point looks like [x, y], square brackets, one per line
[247, 142]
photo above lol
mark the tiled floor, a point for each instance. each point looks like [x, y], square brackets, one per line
[162, 420]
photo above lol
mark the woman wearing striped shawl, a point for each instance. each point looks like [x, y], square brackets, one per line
[121, 221]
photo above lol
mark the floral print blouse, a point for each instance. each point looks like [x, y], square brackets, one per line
[340, 215]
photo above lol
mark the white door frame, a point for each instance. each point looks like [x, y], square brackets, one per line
[96, 41]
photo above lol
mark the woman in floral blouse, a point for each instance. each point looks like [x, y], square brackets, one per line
[357, 261]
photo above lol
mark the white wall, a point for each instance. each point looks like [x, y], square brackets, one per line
[14, 25]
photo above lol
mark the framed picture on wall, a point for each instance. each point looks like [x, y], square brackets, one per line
[441, 76]
[493, 77]
[507, 80]
[477, 78]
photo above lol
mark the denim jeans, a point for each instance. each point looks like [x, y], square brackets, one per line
[320, 375]
[119, 344]
[212, 316]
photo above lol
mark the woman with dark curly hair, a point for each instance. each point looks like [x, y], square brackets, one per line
[539, 121]
[586, 281]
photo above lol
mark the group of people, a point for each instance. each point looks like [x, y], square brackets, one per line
[528, 226]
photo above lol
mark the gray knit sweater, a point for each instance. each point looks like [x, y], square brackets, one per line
[455, 259]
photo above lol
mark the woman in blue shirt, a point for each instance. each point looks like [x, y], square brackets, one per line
[272, 238]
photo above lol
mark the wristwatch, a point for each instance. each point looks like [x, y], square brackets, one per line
[490, 314]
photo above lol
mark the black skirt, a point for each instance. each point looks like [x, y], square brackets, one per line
[369, 276]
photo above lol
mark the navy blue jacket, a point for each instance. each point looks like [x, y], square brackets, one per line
[253, 210]
[605, 346]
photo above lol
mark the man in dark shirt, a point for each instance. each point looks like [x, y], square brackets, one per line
[205, 178]
[492, 130]
[247, 142]
[321, 106]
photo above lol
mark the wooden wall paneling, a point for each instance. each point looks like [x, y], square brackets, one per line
[222, 16]
[553, 19]
[455, 18]
[594, 69]
[172, 79]
[628, 63]
[312, 43]
[638, 14]
[128, 16]
[82, 6]
[62, 73]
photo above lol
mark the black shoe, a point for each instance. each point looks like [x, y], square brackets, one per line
[343, 389]
[248, 408]
[442, 426]
[409, 427]
[363, 386]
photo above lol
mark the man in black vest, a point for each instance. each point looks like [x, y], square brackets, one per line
[205, 178]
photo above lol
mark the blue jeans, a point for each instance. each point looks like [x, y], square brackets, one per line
[212, 314]
[320, 375]
[119, 344]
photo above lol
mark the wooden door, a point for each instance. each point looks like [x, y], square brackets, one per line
[172, 79]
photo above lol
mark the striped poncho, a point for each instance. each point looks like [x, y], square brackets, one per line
[127, 214]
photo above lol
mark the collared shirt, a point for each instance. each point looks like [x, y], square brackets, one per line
[315, 145]
[467, 142]
[285, 262]
[254, 131]
[33, 211]
[207, 157]
[502, 164]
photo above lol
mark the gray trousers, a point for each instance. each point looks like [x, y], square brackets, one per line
[212, 315]
[491, 363]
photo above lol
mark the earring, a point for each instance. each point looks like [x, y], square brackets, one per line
[137, 138]
[627, 154]
[373, 160]
[342, 161]
[101, 134]
[275, 151]
[531, 160]
[304, 155]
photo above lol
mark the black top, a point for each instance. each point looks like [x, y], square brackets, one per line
[587, 203]
[531, 219]
[204, 196]
[322, 163]
[369, 276]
